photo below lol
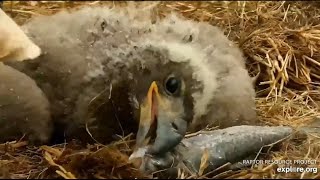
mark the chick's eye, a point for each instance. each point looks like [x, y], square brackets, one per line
[172, 85]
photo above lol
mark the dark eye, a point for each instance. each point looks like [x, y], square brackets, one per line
[172, 85]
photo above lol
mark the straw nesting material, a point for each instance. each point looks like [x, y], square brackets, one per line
[281, 40]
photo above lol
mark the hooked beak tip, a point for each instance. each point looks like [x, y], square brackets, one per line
[169, 135]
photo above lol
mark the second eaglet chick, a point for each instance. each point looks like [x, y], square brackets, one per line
[24, 109]
[109, 72]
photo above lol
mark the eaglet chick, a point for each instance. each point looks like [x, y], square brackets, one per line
[110, 72]
[24, 109]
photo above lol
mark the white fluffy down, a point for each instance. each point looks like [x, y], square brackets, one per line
[14, 43]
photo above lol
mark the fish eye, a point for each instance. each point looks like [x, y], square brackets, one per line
[172, 85]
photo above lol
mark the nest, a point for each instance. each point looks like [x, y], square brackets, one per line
[281, 42]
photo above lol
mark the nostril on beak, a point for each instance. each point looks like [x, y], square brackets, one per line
[174, 126]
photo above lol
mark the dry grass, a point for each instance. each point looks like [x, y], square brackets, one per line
[281, 40]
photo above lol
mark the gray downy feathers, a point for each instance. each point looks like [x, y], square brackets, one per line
[98, 50]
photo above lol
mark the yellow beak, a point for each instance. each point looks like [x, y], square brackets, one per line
[160, 122]
[148, 113]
